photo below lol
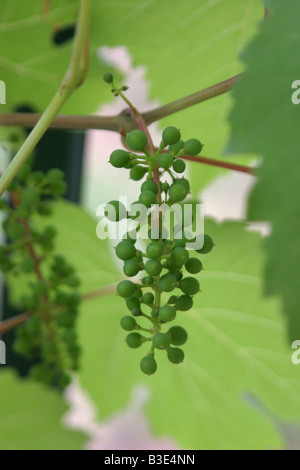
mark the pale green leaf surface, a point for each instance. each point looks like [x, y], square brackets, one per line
[236, 345]
[265, 121]
[31, 417]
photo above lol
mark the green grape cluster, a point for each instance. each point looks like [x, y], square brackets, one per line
[49, 336]
[166, 268]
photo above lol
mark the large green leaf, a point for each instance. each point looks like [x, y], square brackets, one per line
[184, 47]
[30, 417]
[265, 121]
[236, 345]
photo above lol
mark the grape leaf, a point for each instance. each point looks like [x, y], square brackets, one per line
[32, 65]
[30, 417]
[266, 122]
[236, 345]
[184, 47]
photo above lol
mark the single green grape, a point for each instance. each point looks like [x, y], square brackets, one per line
[171, 135]
[172, 299]
[30, 197]
[161, 341]
[133, 302]
[148, 298]
[137, 140]
[131, 268]
[27, 264]
[115, 211]
[134, 340]
[175, 355]
[153, 267]
[189, 285]
[14, 230]
[167, 282]
[178, 192]
[179, 166]
[193, 266]
[165, 160]
[208, 245]
[154, 312]
[165, 186]
[137, 172]
[108, 77]
[179, 256]
[149, 185]
[175, 148]
[192, 147]
[119, 158]
[155, 250]
[148, 365]
[184, 303]
[178, 335]
[125, 250]
[125, 288]
[136, 312]
[167, 313]
[128, 323]
[148, 198]
[184, 183]
[147, 280]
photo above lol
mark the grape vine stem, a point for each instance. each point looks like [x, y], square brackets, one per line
[73, 79]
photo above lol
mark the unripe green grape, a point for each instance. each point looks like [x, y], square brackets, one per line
[138, 293]
[167, 313]
[137, 140]
[180, 242]
[14, 230]
[27, 264]
[167, 282]
[148, 365]
[155, 250]
[172, 299]
[178, 192]
[148, 298]
[175, 355]
[53, 176]
[134, 340]
[189, 285]
[165, 160]
[131, 268]
[208, 245]
[147, 198]
[133, 302]
[136, 312]
[178, 335]
[108, 77]
[175, 148]
[161, 341]
[184, 182]
[165, 186]
[153, 267]
[149, 185]
[179, 256]
[115, 211]
[119, 158]
[179, 166]
[147, 280]
[192, 147]
[128, 323]
[72, 281]
[193, 266]
[30, 197]
[171, 135]
[178, 275]
[154, 312]
[125, 250]
[125, 289]
[184, 303]
[137, 172]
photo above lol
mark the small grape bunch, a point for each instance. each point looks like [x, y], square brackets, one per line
[49, 337]
[166, 269]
